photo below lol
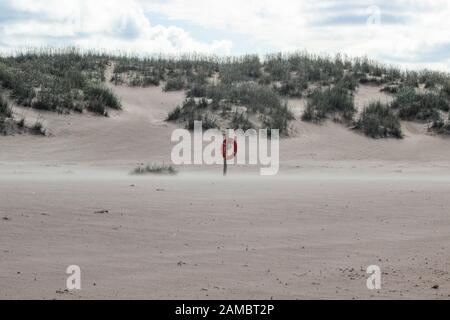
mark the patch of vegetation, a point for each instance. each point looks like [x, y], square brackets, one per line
[103, 95]
[411, 79]
[255, 97]
[278, 119]
[38, 128]
[57, 80]
[196, 91]
[370, 80]
[419, 106]
[348, 82]
[311, 68]
[261, 101]
[431, 105]
[433, 79]
[335, 102]
[98, 107]
[145, 80]
[187, 110]
[240, 69]
[179, 73]
[240, 121]
[155, 169]
[288, 72]
[208, 122]
[3, 130]
[5, 109]
[193, 110]
[440, 126]
[21, 123]
[175, 114]
[5, 115]
[379, 121]
[445, 91]
[293, 87]
[391, 89]
[69, 80]
[8, 125]
[175, 84]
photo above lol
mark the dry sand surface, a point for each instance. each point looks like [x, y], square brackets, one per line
[341, 203]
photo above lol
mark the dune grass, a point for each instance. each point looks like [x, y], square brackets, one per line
[156, 169]
[379, 121]
[333, 102]
[208, 122]
[239, 69]
[57, 80]
[293, 87]
[21, 123]
[38, 128]
[240, 121]
[419, 106]
[69, 80]
[175, 84]
[193, 110]
[9, 125]
[290, 73]
[440, 126]
[5, 113]
[5, 109]
[3, 130]
[261, 101]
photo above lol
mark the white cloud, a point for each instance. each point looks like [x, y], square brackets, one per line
[411, 32]
[406, 26]
[157, 39]
[101, 24]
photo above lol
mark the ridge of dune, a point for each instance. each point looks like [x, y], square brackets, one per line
[139, 133]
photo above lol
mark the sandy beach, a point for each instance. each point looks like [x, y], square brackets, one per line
[341, 203]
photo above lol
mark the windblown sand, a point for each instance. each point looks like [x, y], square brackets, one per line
[341, 203]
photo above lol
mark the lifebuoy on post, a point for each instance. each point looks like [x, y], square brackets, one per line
[225, 146]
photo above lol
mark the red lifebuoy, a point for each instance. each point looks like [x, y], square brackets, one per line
[226, 143]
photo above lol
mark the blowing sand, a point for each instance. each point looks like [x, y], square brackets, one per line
[341, 203]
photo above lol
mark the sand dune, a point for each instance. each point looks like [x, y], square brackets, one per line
[341, 202]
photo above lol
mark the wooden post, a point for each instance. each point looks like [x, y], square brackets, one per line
[224, 151]
[225, 168]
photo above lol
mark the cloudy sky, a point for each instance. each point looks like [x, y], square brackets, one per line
[410, 33]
